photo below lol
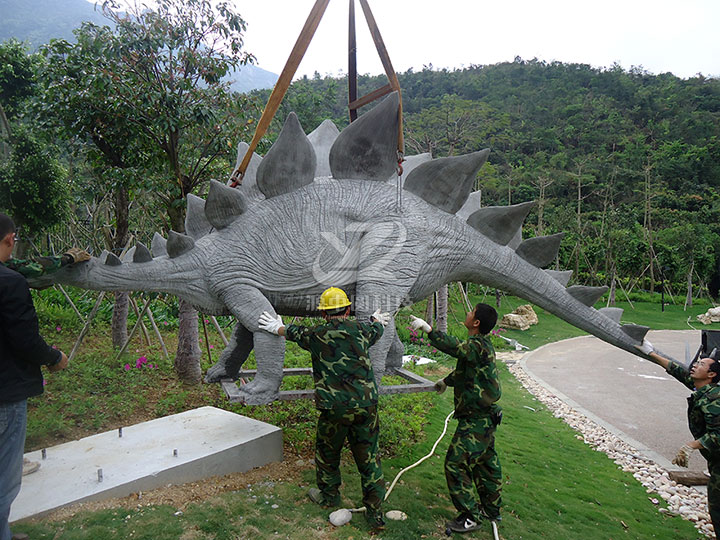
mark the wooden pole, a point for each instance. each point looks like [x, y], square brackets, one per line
[282, 84]
[352, 63]
[387, 64]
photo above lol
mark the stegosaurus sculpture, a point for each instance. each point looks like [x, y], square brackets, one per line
[291, 230]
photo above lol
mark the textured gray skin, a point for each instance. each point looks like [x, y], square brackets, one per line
[280, 253]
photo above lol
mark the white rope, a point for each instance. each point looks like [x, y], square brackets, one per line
[397, 477]
[422, 459]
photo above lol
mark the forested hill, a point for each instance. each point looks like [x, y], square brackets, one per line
[626, 162]
[37, 21]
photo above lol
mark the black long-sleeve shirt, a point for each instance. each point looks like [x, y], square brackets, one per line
[22, 348]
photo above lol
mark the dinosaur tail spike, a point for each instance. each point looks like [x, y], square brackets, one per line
[103, 256]
[178, 244]
[612, 313]
[158, 246]
[500, 223]
[142, 254]
[196, 224]
[561, 276]
[586, 295]
[446, 182]
[129, 255]
[367, 148]
[635, 331]
[224, 204]
[112, 260]
[289, 164]
[540, 250]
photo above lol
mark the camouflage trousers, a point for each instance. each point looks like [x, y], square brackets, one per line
[713, 493]
[471, 460]
[361, 428]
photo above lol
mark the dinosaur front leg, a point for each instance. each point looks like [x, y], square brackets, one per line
[247, 303]
[233, 357]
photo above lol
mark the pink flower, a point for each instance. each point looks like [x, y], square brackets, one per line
[151, 366]
[44, 382]
[58, 328]
[207, 321]
[165, 323]
[54, 346]
[127, 367]
[212, 346]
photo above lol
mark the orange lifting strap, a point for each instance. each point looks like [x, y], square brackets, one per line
[296, 57]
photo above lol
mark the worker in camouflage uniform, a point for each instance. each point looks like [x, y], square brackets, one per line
[40, 266]
[346, 395]
[471, 457]
[703, 419]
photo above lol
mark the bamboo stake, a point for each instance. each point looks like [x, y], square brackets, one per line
[72, 304]
[132, 333]
[157, 333]
[85, 329]
[207, 339]
[142, 324]
[220, 330]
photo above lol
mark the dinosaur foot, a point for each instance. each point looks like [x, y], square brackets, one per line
[259, 391]
[219, 371]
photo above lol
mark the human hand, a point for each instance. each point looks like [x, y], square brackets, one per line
[269, 323]
[77, 255]
[62, 364]
[683, 456]
[418, 324]
[382, 318]
[440, 386]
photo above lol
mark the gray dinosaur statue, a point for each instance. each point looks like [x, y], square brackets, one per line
[276, 242]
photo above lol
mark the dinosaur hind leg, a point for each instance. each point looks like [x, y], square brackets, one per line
[247, 303]
[233, 357]
[395, 352]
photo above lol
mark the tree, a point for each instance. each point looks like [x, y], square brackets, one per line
[32, 186]
[158, 93]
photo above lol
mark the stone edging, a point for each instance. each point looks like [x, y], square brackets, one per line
[648, 467]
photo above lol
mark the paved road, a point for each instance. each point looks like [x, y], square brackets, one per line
[636, 397]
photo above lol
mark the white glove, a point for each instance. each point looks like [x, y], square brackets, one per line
[418, 324]
[646, 347]
[270, 324]
[382, 318]
[440, 386]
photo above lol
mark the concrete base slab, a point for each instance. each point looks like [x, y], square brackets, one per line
[176, 449]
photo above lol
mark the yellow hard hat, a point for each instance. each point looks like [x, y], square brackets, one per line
[333, 298]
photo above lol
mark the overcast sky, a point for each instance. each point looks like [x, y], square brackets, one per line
[681, 37]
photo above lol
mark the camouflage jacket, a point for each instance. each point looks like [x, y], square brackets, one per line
[341, 364]
[36, 267]
[703, 411]
[475, 377]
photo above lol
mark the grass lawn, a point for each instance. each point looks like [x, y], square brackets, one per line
[555, 486]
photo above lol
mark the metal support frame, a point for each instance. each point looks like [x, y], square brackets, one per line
[416, 383]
